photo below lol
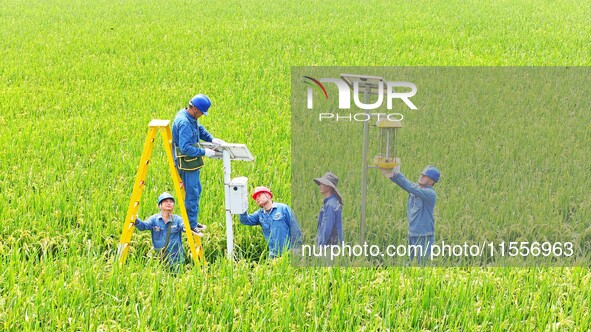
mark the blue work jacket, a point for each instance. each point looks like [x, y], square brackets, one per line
[186, 132]
[421, 204]
[158, 227]
[280, 227]
[330, 222]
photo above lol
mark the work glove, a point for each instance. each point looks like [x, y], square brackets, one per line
[217, 141]
[390, 173]
[209, 153]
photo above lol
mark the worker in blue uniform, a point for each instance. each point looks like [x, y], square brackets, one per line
[188, 154]
[421, 206]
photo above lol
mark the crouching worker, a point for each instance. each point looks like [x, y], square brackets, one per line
[166, 231]
[278, 222]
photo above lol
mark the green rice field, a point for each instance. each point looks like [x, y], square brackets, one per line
[80, 81]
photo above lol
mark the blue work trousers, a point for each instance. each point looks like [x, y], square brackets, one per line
[421, 247]
[192, 185]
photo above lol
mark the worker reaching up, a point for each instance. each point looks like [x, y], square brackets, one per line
[421, 206]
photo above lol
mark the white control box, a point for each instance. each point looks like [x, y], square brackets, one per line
[238, 195]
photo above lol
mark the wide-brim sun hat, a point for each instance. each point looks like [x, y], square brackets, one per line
[331, 180]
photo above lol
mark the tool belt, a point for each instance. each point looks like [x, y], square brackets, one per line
[188, 163]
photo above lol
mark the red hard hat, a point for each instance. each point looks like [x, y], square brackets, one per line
[259, 190]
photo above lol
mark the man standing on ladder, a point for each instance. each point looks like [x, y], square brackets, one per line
[186, 134]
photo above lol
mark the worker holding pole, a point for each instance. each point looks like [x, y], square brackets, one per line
[421, 206]
[188, 155]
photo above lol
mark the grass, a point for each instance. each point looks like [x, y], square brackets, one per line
[79, 82]
[85, 293]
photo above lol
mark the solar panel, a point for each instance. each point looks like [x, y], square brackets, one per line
[236, 151]
[371, 83]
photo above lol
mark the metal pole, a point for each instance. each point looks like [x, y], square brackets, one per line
[395, 143]
[229, 232]
[387, 144]
[364, 172]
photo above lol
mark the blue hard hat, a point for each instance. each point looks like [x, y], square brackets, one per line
[431, 172]
[164, 196]
[201, 102]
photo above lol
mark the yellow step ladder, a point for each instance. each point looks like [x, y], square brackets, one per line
[138, 188]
